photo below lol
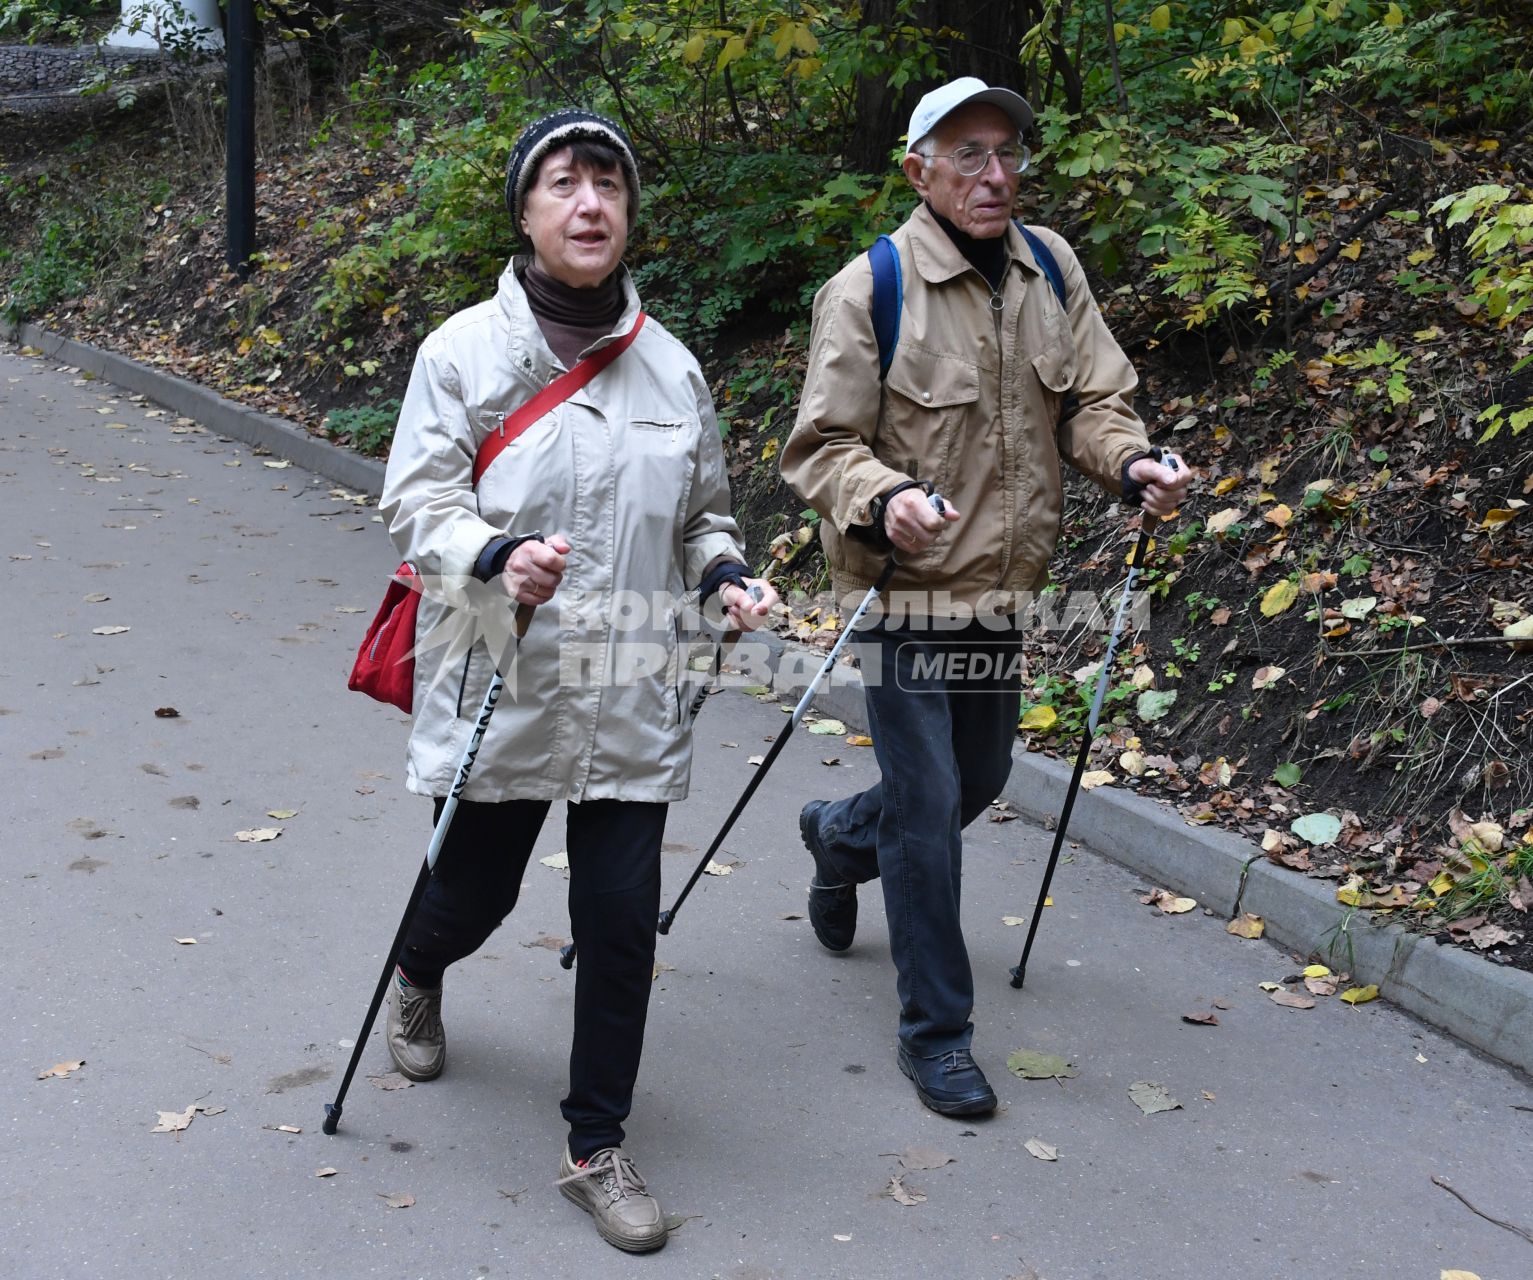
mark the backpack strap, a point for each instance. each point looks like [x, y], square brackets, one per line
[1045, 258]
[888, 300]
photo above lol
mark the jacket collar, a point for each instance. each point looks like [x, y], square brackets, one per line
[526, 347]
[938, 259]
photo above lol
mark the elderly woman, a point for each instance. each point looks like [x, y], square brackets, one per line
[626, 479]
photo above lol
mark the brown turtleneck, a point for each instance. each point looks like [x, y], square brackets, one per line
[572, 319]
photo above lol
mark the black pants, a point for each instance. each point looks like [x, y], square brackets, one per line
[614, 903]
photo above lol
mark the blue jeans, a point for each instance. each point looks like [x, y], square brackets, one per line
[943, 743]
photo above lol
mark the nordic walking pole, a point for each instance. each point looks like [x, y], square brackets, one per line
[1141, 549]
[438, 836]
[567, 954]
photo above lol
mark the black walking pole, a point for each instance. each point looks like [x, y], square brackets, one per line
[567, 953]
[1141, 549]
[438, 836]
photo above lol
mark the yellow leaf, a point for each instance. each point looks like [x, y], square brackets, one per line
[769, 450]
[1095, 778]
[1496, 517]
[858, 740]
[1306, 254]
[1247, 926]
[1353, 251]
[1393, 16]
[1316, 971]
[1225, 485]
[1453, 1273]
[1360, 995]
[1160, 18]
[733, 48]
[1149, 546]
[1351, 893]
[1039, 718]
[1427, 335]
[693, 49]
[1441, 883]
[1234, 29]
[1279, 515]
[1280, 595]
[1251, 46]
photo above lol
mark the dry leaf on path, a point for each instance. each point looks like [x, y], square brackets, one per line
[1151, 1097]
[326, 1172]
[1168, 902]
[1247, 926]
[718, 868]
[828, 727]
[283, 1128]
[282, 814]
[397, 1199]
[1095, 778]
[1360, 995]
[1290, 999]
[109, 631]
[557, 861]
[390, 1081]
[858, 740]
[1453, 1273]
[174, 1121]
[1038, 1147]
[1201, 1019]
[1028, 1064]
[61, 1070]
[1320, 986]
[901, 1194]
[660, 967]
[186, 942]
[258, 835]
[923, 1158]
[549, 941]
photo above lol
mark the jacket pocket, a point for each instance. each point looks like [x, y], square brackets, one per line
[930, 397]
[1056, 367]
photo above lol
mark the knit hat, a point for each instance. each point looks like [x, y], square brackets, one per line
[559, 129]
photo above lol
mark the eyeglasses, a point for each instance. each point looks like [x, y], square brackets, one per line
[971, 160]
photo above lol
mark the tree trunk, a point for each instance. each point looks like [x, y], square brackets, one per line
[978, 38]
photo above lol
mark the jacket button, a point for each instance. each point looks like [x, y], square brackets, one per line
[926, 395]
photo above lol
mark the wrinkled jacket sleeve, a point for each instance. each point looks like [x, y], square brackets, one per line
[428, 488]
[828, 459]
[710, 530]
[1103, 432]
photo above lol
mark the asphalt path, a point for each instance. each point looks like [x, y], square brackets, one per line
[187, 968]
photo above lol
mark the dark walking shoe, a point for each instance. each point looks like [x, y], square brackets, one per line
[413, 1031]
[611, 1190]
[951, 1084]
[832, 900]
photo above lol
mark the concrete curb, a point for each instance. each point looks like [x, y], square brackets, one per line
[1487, 1006]
[362, 475]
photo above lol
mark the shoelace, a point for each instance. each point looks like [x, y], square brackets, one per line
[614, 1169]
[420, 1014]
[957, 1060]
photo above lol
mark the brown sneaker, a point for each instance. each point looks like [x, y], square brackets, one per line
[611, 1190]
[414, 1032]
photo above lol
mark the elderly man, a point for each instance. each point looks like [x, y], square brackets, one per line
[996, 373]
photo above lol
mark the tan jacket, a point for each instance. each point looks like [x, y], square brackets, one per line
[972, 403]
[631, 468]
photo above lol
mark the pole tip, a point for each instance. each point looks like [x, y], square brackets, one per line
[665, 922]
[332, 1117]
[1017, 976]
[567, 956]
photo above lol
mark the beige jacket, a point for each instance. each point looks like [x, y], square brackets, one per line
[972, 403]
[631, 469]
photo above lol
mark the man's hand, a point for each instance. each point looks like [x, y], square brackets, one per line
[911, 523]
[535, 569]
[1165, 483]
[747, 607]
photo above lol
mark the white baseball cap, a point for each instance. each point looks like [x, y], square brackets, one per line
[948, 98]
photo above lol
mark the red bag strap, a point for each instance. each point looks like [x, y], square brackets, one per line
[553, 395]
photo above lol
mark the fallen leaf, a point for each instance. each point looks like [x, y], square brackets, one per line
[1492, 935]
[754, 759]
[557, 861]
[718, 868]
[1201, 1019]
[1247, 926]
[390, 1081]
[61, 1070]
[258, 835]
[791, 915]
[901, 1194]
[283, 1128]
[1316, 971]
[1279, 596]
[1038, 718]
[1027, 1064]
[1151, 1097]
[1168, 902]
[828, 727]
[549, 941]
[1267, 675]
[282, 814]
[187, 942]
[659, 968]
[1290, 999]
[831, 761]
[167, 713]
[1132, 763]
[858, 740]
[1041, 1149]
[397, 1199]
[109, 631]
[326, 1172]
[1321, 986]
[279, 466]
[1095, 778]
[174, 1121]
[1454, 1274]
[842, 1239]
[1222, 520]
[1152, 704]
[97, 597]
[920, 1158]
[1316, 828]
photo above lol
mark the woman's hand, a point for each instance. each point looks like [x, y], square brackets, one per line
[535, 569]
[747, 607]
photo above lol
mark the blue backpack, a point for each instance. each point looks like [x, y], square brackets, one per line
[889, 290]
